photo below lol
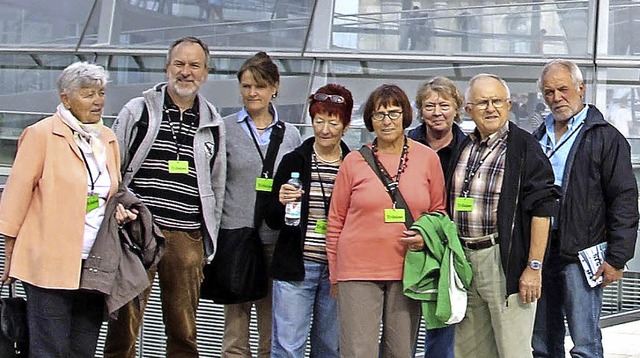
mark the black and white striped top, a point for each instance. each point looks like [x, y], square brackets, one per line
[315, 243]
[172, 198]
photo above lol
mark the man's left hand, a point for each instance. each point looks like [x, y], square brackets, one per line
[530, 285]
[609, 273]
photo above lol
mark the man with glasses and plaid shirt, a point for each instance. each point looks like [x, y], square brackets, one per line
[501, 198]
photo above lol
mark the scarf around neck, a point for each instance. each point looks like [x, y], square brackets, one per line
[87, 136]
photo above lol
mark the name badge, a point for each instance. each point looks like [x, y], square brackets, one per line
[264, 184]
[321, 227]
[463, 204]
[394, 215]
[178, 167]
[93, 201]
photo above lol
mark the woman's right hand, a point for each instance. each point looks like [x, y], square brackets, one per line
[288, 193]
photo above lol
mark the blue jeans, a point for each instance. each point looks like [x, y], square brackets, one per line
[438, 342]
[294, 304]
[565, 291]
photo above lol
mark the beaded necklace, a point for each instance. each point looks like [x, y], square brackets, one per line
[402, 165]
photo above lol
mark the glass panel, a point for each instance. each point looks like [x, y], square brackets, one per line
[50, 23]
[624, 24]
[460, 27]
[223, 24]
[619, 101]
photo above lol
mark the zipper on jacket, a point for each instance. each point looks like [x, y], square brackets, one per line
[513, 223]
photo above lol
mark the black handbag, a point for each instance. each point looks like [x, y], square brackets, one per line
[238, 272]
[14, 333]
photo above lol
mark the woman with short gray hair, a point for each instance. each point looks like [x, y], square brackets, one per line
[65, 169]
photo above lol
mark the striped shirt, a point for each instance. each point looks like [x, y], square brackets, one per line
[314, 242]
[487, 159]
[173, 198]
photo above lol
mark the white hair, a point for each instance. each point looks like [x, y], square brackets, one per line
[571, 67]
[81, 74]
[467, 93]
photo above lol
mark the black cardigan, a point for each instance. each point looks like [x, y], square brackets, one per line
[527, 190]
[287, 264]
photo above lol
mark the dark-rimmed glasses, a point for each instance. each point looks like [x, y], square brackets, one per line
[393, 115]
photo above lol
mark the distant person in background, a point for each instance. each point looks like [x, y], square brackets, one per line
[301, 288]
[215, 8]
[417, 29]
[619, 113]
[536, 118]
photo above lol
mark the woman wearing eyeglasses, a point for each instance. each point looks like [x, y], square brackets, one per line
[301, 288]
[367, 238]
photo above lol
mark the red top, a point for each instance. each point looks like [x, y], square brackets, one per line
[360, 245]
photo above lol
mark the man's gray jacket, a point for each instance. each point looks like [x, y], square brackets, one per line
[209, 153]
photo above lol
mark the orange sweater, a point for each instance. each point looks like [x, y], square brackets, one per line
[360, 245]
[44, 203]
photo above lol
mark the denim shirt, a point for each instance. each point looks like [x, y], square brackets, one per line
[264, 138]
[558, 152]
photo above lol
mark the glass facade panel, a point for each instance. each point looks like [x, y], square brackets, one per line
[247, 24]
[56, 23]
[461, 27]
[623, 27]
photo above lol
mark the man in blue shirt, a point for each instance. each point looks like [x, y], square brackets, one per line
[591, 161]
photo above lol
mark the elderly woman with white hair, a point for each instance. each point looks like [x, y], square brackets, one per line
[65, 169]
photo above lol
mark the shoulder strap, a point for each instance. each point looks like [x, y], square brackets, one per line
[141, 128]
[367, 154]
[215, 131]
[277, 135]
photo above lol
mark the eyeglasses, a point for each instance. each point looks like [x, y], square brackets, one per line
[323, 97]
[484, 104]
[431, 107]
[393, 115]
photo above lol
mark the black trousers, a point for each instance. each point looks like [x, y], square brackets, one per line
[63, 323]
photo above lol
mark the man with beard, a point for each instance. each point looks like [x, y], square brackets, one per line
[173, 157]
[591, 161]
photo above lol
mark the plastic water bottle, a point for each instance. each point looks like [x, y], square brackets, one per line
[293, 209]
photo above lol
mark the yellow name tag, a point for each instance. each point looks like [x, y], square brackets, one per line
[463, 204]
[93, 201]
[178, 167]
[321, 227]
[264, 184]
[394, 215]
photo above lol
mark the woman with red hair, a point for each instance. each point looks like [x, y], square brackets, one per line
[302, 302]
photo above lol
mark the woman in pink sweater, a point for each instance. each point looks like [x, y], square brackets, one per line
[367, 239]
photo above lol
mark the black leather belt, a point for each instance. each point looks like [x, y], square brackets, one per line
[483, 242]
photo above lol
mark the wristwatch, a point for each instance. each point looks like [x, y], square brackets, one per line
[535, 264]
